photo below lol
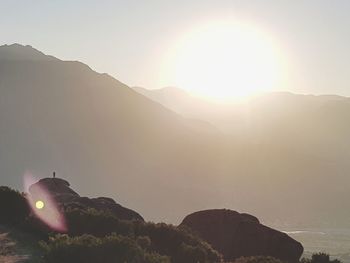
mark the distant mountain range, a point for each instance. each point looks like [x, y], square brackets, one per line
[282, 157]
[229, 117]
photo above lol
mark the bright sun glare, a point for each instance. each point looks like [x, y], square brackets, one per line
[225, 61]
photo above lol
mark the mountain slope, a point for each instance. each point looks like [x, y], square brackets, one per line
[59, 115]
[298, 143]
[106, 138]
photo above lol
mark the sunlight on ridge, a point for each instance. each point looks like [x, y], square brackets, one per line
[225, 61]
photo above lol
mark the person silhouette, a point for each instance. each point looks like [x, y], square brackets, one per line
[54, 174]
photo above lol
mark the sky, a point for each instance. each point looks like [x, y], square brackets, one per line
[131, 39]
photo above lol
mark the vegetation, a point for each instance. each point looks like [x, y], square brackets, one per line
[320, 258]
[258, 259]
[316, 258]
[13, 205]
[178, 244]
[87, 248]
[95, 236]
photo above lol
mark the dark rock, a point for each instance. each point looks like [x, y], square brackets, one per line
[61, 192]
[55, 186]
[236, 235]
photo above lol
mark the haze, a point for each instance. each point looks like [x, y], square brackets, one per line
[172, 107]
[131, 40]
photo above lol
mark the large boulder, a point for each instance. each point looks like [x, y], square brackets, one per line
[236, 235]
[60, 191]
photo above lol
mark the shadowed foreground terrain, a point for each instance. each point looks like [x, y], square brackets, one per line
[8, 250]
[100, 230]
[18, 246]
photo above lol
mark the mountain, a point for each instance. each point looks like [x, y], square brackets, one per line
[230, 117]
[62, 116]
[311, 125]
[105, 137]
[189, 106]
[299, 139]
[17, 52]
[176, 99]
[184, 104]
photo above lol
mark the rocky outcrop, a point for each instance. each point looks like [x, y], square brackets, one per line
[56, 187]
[235, 235]
[61, 192]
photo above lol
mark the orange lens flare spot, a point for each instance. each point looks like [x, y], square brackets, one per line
[39, 205]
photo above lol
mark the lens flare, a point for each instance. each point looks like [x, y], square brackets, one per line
[39, 204]
[43, 205]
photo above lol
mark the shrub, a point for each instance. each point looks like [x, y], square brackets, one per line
[97, 223]
[258, 259]
[87, 248]
[320, 258]
[14, 208]
[179, 244]
[91, 237]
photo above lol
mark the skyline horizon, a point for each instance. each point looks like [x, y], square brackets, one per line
[174, 86]
[138, 42]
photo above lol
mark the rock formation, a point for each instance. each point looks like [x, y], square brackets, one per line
[61, 192]
[235, 235]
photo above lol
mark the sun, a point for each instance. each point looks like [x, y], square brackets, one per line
[225, 61]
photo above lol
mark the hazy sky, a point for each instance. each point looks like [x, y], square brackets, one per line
[129, 39]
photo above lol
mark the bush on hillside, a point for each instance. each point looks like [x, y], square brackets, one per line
[320, 258]
[97, 223]
[258, 259]
[14, 208]
[87, 228]
[87, 248]
[179, 244]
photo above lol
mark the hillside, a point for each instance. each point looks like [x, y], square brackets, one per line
[308, 130]
[70, 228]
[104, 137]
[63, 116]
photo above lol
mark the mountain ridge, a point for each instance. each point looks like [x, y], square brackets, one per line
[23, 52]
